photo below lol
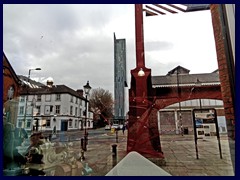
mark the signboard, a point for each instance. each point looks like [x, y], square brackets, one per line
[205, 125]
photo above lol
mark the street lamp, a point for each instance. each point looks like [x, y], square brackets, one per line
[141, 72]
[87, 89]
[25, 113]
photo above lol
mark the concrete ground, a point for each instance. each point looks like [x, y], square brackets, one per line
[179, 152]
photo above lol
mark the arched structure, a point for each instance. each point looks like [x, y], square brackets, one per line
[145, 101]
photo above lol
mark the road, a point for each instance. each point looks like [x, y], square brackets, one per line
[99, 135]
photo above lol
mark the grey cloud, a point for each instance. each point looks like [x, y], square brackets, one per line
[158, 45]
[70, 42]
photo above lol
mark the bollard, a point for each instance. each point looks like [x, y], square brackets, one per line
[114, 150]
[85, 141]
[81, 143]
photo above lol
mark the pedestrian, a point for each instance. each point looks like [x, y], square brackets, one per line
[123, 129]
[182, 130]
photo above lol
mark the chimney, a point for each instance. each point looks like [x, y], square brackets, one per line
[80, 92]
[50, 82]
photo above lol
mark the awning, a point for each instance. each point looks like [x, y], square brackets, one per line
[164, 9]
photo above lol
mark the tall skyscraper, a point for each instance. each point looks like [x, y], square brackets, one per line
[119, 78]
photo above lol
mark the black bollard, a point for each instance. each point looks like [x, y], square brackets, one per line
[82, 143]
[114, 150]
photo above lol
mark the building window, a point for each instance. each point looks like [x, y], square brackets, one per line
[76, 124]
[71, 110]
[57, 109]
[38, 110]
[51, 108]
[70, 123]
[22, 98]
[76, 111]
[20, 123]
[80, 112]
[48, 123]
[76, 100]
[10, 92]
[47, 109]
[39, 98]
[21, 110]
[28, 125]
[58, 97]
[71, 100]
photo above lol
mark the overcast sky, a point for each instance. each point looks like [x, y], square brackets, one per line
[74, 43]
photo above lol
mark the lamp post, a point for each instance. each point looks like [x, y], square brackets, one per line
[87, 89]
[199, 84]
[25, 112]
[180, 128]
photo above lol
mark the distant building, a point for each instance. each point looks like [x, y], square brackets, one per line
[52, 107]
[119, 79]
[168, 118]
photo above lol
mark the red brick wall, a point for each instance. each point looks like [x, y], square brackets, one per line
[223, 69]
[9, 80]
[167, 122]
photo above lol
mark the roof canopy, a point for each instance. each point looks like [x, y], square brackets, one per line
[163, 9]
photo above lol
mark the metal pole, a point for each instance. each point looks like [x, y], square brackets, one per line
[218, 136]
[180, 108]
[87, 89]
[200, 103]
[85, 124]
[25, 112]
[85, 117]
[195, 133]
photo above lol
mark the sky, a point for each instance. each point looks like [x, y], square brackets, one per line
[74, 44]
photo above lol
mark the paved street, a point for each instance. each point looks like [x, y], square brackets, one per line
[179, 152]
[180, 155]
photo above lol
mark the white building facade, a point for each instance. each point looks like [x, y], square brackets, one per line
[54, 108]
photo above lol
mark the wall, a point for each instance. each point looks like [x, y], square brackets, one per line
[225, 64]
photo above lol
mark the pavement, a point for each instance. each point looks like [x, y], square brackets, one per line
[179, 153]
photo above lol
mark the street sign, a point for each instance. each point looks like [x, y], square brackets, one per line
[205, 124]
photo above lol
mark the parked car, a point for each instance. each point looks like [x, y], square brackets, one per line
[107, 127]
[115, 126]
[120, 126]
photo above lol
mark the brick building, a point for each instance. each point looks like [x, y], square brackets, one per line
[168, 117]
[11, 88]
[11, 82]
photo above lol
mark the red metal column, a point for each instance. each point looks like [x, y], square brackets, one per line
[140, 61]
[143, 135]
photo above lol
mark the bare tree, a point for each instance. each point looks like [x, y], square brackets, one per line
[101, 104]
